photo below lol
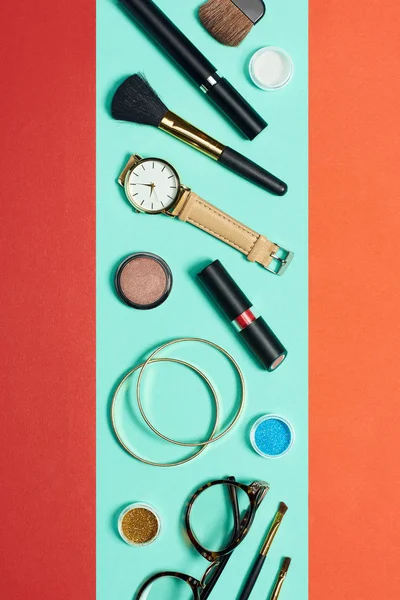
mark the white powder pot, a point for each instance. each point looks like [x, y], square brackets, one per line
[271, 68]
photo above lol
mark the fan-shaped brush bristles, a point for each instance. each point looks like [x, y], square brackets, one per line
[136, 101]
[225, 21]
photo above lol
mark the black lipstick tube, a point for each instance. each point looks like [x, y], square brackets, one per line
[196, 66]
[237, 307]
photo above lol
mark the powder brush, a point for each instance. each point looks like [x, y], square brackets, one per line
[259, 562]
[136, 101]
[230, 21]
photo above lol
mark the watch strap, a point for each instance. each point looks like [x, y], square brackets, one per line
[256, 247]
[135, 158]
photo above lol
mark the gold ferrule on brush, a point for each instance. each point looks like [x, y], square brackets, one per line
[280, 581]
[186, 132]
[271, 534]
[278, 587]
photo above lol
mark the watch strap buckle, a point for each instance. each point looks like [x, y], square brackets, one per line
[270, 255]
[281, 259]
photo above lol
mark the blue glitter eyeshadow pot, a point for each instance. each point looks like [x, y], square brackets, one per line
[272, 436]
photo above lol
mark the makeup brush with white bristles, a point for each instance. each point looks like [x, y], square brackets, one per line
[136, 101]
[230, 21]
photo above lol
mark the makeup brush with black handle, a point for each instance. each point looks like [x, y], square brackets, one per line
[196, 66]
[136, 101]
[259, 562]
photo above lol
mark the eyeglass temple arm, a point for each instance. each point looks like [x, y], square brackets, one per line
[235, 507]
[216, 574]
[204, 594]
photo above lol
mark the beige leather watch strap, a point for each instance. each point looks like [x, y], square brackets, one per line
[256, 247]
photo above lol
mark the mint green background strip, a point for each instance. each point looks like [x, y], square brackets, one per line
[177, 400]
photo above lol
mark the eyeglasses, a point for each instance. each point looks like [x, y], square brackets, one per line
[241, 519]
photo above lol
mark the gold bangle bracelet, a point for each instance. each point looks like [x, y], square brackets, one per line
[114, 402]
[242, 398]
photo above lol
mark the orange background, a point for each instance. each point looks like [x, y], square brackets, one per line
[354, 300]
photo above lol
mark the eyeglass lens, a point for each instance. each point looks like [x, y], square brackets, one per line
[212, 518]
[168, 588]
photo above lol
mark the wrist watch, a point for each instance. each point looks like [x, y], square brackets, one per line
[152, 186]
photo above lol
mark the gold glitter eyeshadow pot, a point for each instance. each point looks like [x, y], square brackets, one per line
[139, 524]
[143, 281]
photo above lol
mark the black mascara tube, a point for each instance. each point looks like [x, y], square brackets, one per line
[252, 328]
[196, 66]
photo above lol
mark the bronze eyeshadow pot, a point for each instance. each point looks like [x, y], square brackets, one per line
[143, 280]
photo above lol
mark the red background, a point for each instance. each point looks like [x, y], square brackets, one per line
[47, 284]
[47, 288]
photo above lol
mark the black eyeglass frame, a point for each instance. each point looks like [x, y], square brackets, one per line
[201, 589]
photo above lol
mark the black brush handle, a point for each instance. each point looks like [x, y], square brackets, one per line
[252, 578]
[227, 98]
[250, 170]
[171, 39]
[196, 66]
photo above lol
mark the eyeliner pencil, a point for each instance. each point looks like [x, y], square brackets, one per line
[259, 562]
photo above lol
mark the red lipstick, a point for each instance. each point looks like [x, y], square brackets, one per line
[251, 327]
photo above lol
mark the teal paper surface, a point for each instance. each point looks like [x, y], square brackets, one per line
[176, 400]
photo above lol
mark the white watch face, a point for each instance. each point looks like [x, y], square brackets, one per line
[152, 186]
